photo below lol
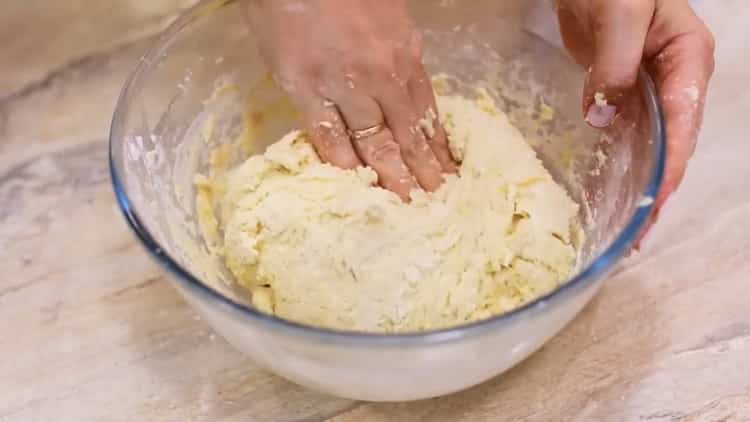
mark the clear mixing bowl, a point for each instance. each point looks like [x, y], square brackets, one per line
[156, 147]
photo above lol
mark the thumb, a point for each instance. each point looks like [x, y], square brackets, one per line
[619, 29]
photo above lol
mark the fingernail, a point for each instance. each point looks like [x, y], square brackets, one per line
[601, 115]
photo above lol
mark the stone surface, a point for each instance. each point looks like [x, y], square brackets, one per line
[91, 331]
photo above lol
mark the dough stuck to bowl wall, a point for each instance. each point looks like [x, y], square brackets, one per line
[324, 246]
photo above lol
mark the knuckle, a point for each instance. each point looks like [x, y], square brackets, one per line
[709, 42]
[706, 47]
[412, 150]
[386, 151]
[621, 81]
[381, 148]
[416, 45]
[629, 7]
[382, 66]
[380, 60]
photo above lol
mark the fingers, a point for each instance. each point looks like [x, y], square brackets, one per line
[681, 63]
[618, 30]
[403, 121]
[574, 34]
[381, 152]
[423, 98]
[327, 131]
[680, 57]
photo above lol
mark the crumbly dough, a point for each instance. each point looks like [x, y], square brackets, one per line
[325, 246]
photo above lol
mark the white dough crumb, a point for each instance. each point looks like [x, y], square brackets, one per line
[427, 123]
[692, 92]
[600, 99]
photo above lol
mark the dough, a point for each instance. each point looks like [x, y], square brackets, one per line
[324, 246]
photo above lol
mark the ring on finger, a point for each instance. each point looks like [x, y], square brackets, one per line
[360, 134]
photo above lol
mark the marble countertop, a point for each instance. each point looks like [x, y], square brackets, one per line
[90, 330]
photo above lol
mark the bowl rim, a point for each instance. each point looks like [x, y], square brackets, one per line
[584, 278]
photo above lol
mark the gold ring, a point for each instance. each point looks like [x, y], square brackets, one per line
[357, 135]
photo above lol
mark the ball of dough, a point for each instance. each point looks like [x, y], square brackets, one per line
[326, 246]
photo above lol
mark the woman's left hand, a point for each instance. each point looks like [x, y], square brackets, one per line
[614, 37]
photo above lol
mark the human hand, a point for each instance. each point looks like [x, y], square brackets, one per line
[614, 37]
[354, 65]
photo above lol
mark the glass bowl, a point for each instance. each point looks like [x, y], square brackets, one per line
[157, 144]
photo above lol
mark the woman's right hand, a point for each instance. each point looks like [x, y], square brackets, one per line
[354, 65]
